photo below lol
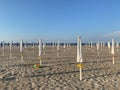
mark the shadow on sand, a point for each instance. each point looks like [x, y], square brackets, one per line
[71, 72]
[8, 79]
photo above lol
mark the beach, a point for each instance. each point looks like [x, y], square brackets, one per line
[59, 71]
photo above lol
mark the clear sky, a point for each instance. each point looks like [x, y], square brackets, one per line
[62, 20]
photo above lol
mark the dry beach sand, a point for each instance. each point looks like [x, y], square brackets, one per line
[59, 70]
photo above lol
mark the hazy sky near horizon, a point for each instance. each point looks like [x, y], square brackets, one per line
[62, 20]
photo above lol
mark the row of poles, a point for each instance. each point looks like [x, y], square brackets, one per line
[79, 53]
[41, 45]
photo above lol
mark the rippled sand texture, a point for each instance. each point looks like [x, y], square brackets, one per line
[59, 71]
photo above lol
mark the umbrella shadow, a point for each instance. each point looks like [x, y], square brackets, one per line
[63, 73]
[8, 79]
[96, 61]
[50, 74]
[95, 69]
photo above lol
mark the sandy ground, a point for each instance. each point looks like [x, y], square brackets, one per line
[59, 71]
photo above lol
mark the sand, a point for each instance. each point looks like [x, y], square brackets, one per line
[59, 70]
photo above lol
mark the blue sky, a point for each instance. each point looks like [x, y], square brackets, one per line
[61, 20]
